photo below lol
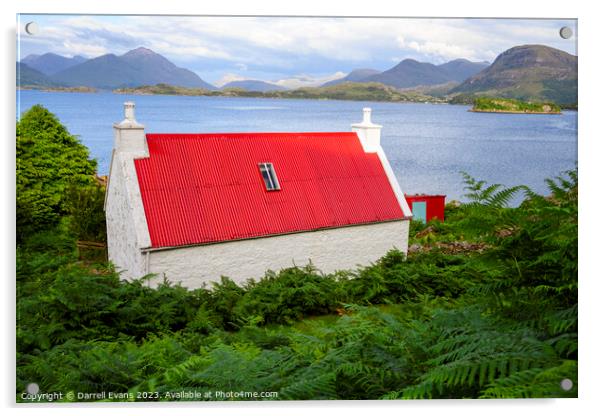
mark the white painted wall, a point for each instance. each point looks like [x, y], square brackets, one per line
[329, 250]
[401, 199]
[122, 241]
[127, 231]
[369, 135]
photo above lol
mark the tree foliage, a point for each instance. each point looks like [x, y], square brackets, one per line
[49, 161]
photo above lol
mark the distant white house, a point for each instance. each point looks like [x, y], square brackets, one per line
[194, 207]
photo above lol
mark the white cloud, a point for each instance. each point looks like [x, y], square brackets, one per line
[439, 51]
[85, 49]
[439, 40]
[287, 46]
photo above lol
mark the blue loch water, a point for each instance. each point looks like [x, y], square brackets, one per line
[427, 144]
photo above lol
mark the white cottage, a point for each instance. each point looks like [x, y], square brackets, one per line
[194, 207]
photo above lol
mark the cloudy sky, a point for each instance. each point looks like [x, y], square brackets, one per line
[287, 50]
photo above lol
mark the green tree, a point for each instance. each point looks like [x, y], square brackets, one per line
[49, 161]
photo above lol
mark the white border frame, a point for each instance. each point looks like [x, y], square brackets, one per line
[589, 155]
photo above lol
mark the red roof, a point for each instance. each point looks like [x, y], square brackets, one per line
[203, 188]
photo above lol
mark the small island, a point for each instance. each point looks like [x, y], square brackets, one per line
[507, 105]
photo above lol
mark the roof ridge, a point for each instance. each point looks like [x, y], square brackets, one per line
[266, 134]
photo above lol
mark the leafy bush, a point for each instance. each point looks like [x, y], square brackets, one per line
[288, 295]
[49, 160]
[85, 207]
[393, 279]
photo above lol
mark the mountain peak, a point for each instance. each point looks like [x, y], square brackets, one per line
[140, 51]
[140, 66]
[50, 63]
[533, 56]
[528, 72]
[30, 57]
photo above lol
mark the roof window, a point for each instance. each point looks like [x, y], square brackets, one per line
[269, 177]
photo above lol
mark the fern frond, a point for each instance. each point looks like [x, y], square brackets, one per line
[502, 198]
[310, 387]
[535, 383]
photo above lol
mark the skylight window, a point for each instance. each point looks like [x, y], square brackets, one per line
[269, 176]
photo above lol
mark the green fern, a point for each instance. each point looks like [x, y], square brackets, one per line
[493, 196]
[536, 383]
[473, 351]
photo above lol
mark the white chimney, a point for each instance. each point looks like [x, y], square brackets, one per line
[129, 134]
[128, 108]
[368, 132]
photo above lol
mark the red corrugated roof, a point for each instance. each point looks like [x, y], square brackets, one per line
[203, 188]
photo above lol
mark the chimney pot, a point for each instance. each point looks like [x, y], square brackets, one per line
[129, 134]
[128, 109]
[368, 132]
[367, 115]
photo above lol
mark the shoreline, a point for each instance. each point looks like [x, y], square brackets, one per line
[100, 91]
[90, 90]
[147, 94]
[289, 98]
[516, 112]
[254, 95]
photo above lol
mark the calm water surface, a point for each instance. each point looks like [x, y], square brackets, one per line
[427, 144]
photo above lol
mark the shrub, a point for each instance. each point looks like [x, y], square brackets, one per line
[288, 295]
[49, 160]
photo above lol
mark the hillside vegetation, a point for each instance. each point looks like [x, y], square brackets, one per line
[484, 307]
[528, 73]
[344, 91]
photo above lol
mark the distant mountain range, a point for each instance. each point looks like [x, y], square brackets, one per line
[27, 76]
[253, 85]
[140, 66]
[51, 63]
[528, 72]
[461, 69]
[137, 67]
[410, 73]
